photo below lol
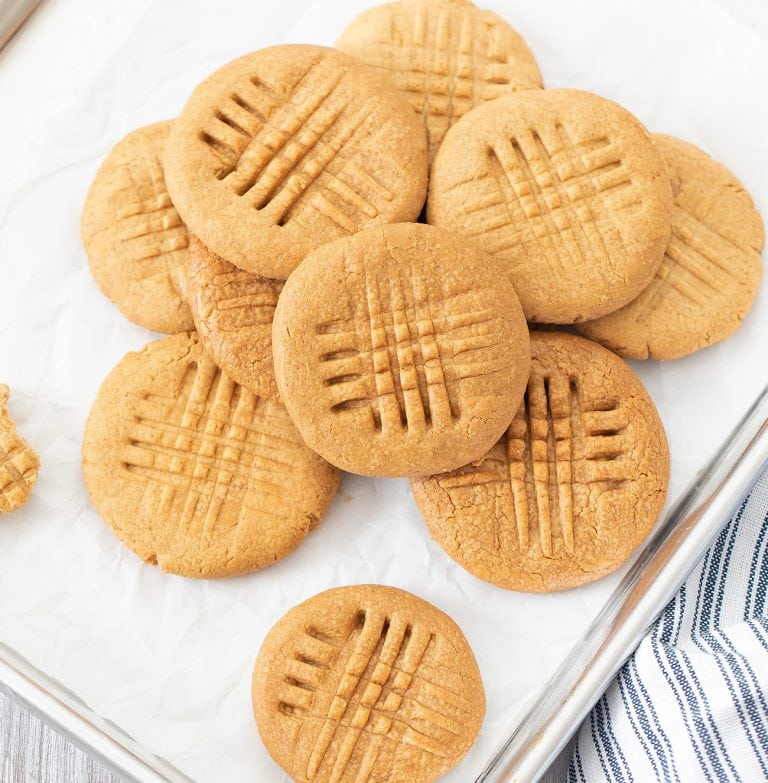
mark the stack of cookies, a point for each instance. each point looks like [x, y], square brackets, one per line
[316, 326]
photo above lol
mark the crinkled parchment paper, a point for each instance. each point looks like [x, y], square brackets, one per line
[169, 659]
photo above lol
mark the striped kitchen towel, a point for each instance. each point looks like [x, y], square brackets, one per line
[691, 704]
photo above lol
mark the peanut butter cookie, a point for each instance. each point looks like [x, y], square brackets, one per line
[573, 486]
[18, 461]
[566, 190]
[290, 147]
[194, 472]
[400, 351]
[233, 313]
[134, 238]
[446, 56]
[366, 684]
[711, 271]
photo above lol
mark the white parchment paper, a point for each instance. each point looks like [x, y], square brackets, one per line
[169, 659]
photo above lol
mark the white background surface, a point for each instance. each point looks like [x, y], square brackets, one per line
[169, 659]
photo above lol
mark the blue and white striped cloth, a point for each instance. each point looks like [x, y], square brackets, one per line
[691, 704]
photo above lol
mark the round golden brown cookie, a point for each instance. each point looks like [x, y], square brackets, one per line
[445, 55]
[194, 472]
[573, 486]
[711, 271]
[134, 238]
[566, 190]
[400, 351]
[233, 312]
[367, 683]
[19, 463]
[290, 147]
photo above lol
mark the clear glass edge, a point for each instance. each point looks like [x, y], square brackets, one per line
[14, 14]
[67, 713]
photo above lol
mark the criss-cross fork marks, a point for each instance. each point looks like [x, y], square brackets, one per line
[698, 266]
[151, 233]
[18, 471]
[552, 445]
[290, 151]
[446, 63]
[551, 197]
[210, 450]
[376, 702]
[244, 300]
[405, 352]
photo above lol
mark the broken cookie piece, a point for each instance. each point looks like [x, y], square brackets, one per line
[19, 462]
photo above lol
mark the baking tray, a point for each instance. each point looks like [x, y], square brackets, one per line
[150, 672]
